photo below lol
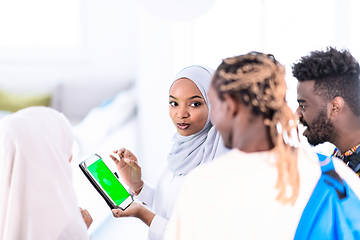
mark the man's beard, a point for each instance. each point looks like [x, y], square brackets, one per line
[320, 130]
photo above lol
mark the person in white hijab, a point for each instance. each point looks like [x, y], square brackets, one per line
[37, 200]
[195, 142]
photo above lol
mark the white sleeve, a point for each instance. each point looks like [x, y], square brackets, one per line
[146, 195]
[157, 228]
[158, 224]
[175, 229]
[181, 225]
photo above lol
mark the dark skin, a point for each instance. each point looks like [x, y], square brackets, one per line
[343, 117]
[346, 125]
[128, 165]
[238, 126]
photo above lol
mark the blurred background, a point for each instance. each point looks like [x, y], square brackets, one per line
[107, 65]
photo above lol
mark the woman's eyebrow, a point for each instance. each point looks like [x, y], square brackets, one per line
[172, 97]
[190, 98]
[196, 96]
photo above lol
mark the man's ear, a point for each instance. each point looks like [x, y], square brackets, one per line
[336, 105]
[231, 105]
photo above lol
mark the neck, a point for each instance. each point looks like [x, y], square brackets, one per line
[347, 135]
[346, 141]
[253, 136]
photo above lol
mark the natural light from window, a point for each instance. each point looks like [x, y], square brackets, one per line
[40, 23]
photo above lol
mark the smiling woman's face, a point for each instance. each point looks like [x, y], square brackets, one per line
[187, 107]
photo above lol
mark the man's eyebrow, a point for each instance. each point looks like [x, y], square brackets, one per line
[301, 101]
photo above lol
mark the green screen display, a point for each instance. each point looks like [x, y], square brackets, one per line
[108, 181]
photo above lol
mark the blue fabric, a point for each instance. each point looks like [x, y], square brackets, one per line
[326, 216]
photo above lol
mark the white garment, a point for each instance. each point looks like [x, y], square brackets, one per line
[205, 210]
[37, 200]
[161, 201]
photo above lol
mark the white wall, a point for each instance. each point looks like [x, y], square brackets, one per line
[154, 75]
[107, 48]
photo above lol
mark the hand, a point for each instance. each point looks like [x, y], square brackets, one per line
[132, 211]
[86, 216]
[136, 210]
[128, 168]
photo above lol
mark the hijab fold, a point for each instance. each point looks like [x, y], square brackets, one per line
[190, 151]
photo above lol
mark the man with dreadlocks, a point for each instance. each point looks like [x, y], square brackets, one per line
[259, 189]
[328, 94]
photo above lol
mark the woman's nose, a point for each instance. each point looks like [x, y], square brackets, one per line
[183, 113]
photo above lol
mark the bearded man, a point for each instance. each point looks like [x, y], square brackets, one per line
[329, 102]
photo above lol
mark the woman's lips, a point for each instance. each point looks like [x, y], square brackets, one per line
[183, 126]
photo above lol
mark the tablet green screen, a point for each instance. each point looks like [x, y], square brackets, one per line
[108, 181]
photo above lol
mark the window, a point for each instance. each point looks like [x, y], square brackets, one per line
[39, 30]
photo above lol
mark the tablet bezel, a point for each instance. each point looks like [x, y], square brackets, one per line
[83, 166]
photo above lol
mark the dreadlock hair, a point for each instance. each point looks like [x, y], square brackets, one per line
[336, 73]
[258, 80]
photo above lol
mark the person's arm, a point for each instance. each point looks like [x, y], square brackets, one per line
[146, 195]
[157, 228]
[136, 210]
[156, 223]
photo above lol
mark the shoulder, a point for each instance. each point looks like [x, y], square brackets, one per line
[218, 164]
[206, 173]
[233, 166]
[348, 175]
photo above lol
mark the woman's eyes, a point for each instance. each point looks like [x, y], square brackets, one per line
[173, 104]
[192, 104]
[195, 104]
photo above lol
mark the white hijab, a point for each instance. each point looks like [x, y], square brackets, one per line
[37, 200]
[190, 151]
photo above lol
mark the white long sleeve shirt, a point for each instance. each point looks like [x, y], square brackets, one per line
[161, 200]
